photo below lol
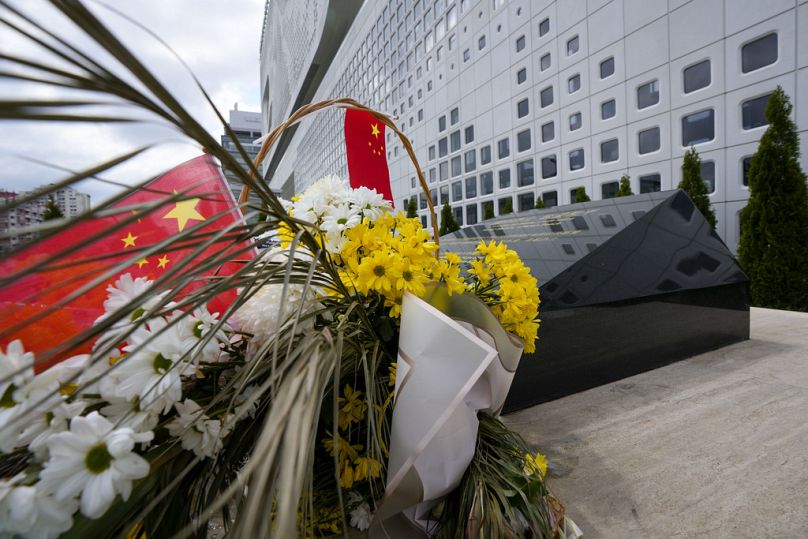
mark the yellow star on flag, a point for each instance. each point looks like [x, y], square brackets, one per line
[185, 211]
[142, 262]
[162, 261]
[375, 130]
[129, 240]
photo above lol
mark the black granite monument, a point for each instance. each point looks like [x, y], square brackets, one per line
[627, 285]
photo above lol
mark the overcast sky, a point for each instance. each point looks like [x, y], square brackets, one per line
[218, 39]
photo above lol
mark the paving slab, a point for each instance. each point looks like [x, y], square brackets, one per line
[713, 446]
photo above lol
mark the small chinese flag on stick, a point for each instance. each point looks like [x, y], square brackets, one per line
[366, 151]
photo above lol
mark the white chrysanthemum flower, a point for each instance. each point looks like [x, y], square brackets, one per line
[197, 431]
[93, 460]
[49, 420]
[151, 370]
[124, 291]
[369, 202]
[123, 413]
[338, 219]
[361, 516]
[16, 368]
[27, 511]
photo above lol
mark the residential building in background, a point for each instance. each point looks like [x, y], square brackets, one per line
[246, 126]
[519, 100]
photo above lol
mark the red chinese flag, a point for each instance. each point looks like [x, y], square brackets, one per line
[205, 196]
[366, 151]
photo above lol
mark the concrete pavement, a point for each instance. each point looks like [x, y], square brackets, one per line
[714, 446]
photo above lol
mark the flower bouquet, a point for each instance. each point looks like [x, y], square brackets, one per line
[351, 384]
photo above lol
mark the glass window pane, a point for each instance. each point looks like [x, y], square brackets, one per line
[456, 166]
[481, 43]
[458, 215]
[457, 191]
[698, 128]
[572, 45]
[485, 155]
[574, 84]
[422, 200]
[520, 43]
[521, 76]
[444, 194]
[697, 76]
[544, 26]
[454, 115]
[432, 152]
[527, 201]
[548, 167]
[523, 140]
[433, 175]
[548, 131]
[575, 121]
[745, 165]
[471, 214]
[524, 173]
[469, 134]
[454, 141]
[471, 187]
[471, 160]
[577, 159]
[648, 140]
[522, 108]
[753, 112]
[650, 183]
[708, 175]
[487, 183]
[609, 190]
[503, 148]
[466, 55]
[759, 53]
[550, 199]
[504, 178]
[648, 94]
[609, 151]
[443, 147]
[441, 122]
[545, 62]
[607, 67]
[608, 109]
[443, 168]
[547, 97]
[502, 205]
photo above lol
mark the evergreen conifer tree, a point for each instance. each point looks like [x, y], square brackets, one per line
[507, 207]
[447, 220]
[625, 186]
[539, 203]
[773, 250]
[581, 196]
[694, 186]
[52, 210]
[412, 211]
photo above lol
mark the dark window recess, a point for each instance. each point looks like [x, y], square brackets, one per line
[579, 223]
[458, 215]
[573, 84]
[503, 148]
[708, 175]
[444, 170]
[523, 140]
[527, 201]
[471, 187]
[444, 194]
[550, 199]
[485, 155]
[423, 221]
[546, 97]
[521, 76]
[497, 229]
[469, 133]
[697, 76]
[745, 166]
[422, 201]
[432, 152]
[608, 109]
[544, 62]
[501, 205]
[548, 132]
[520, 43]
[555, 226]
[454, 141]
[544, 27]
[471, 160]
[609, 151]
[456, 166]
[609, 190]
[608, 221]
[471, 214]
[572, 45]
[522, 108]
[648, 94]
[548, 167]
[650, 183]
[577, 161]
[442, 123]
[454, 115]
[753, 112]
[568, 248]
[607, 68]
[648, 140]
[504, 178]
[443, 147]
[759, 53]
[698, 127]
[575, 121]
[457, 191]
[487, 183]
[433, 193]
[524, 173]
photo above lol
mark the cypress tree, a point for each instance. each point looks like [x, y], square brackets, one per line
[507, 207]
[625, 186]
[412, 211]
[539, 203]
[447, 220]
[773, 249]
[52, 210]
[694, 186]
[581, 196]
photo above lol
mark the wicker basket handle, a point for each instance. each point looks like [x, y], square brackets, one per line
[346, 103]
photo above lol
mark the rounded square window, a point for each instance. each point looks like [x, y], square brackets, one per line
[697, 76]
[547, 97]
[503, 148]
[759, 53]
[521, 76]
[608, 109]
[575, 121]
[524, 173]
[522, 108]
[753, 112]
[648, 140]
[607, 67]
[548, 132]
[698, 128]
[574, 83]
[577, 159]
[523, 140]
[544, 63]
[549, 168]
[708, 175]
[648, 94]
[520, 43]
[609, 151]
[572, 45]
[544, 27]
[650, 183]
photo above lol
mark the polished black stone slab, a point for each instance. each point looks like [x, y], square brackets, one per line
[627, 284]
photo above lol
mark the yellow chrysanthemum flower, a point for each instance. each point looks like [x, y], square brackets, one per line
[535, 465]
[372, 273]
[352, 408]
[366, 467]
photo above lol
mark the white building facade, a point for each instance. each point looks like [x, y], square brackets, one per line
[519, 100]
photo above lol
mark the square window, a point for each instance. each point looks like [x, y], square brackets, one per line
[454, 115]
[466, 55]
[488, 209]
[520, 43]
[503, 148]
[574, 84]
[443, 170]
[433, 193]
[420, 115]
[458, 215]
[502, 205]
[443, 147]
[608, 109]
[524, 173]
[523, 140]
[698, 127]
[549, 169]
[746, 164]
[412, 182]
[708, 175]
[471, 214]
[648, 94]
[544, 62]
[759, 53]
[547, 97]
[607, 67]
[753, 112]
[454, 141]
[575, 121]
[572, 45]
[433, 175]
[577, 159]
[422, 201]
[697, 76]
[527, 201]
[544, 26]
[650, 183]
[547, 132]
[432, 152]
[487, 183]
[469, 134]
[609, 151]
[471, 187]
[481, 43]
[522, 108]
[504, 178]
[457, 191]
[456, 166]
[609, 190]
[444, 194]
[648, 140]
[485, 155]
[550, 199]
[471, 160]
[442, 123]
[521, 76]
